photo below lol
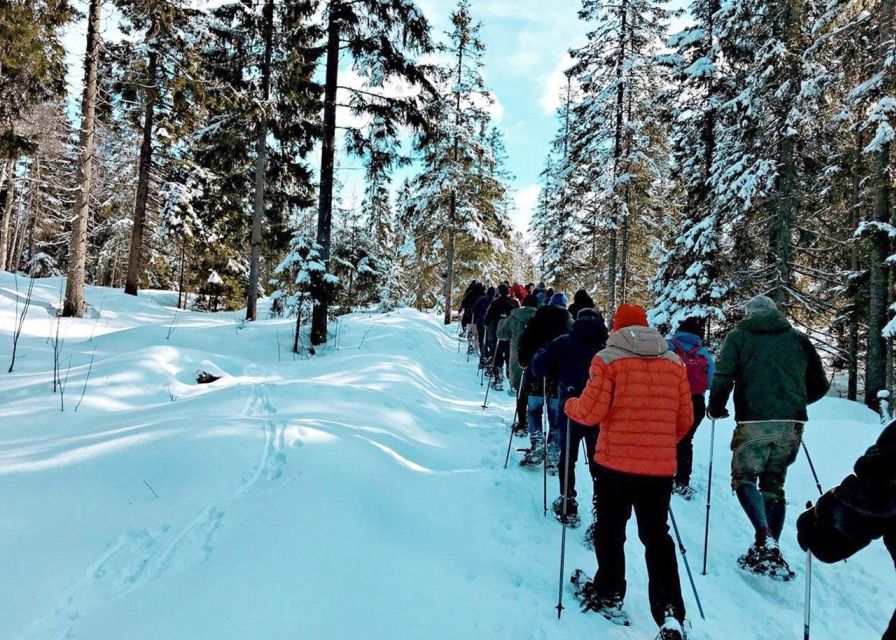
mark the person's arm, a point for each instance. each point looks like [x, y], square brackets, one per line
[863, 508]
[505, 328]
[593, 406]
[710, 366]
[723, 377]
[524, 352]
[541, 362]
[685, 407]
[817, 385]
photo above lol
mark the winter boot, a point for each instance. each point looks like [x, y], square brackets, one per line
[520, 429]
[778, 569]
[533, 457]
[591, 531]
[497, 380]
[609, 607]
[571, 519]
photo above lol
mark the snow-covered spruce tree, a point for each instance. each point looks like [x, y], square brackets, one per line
[690, 278]
[457, 216]
[226, 145]
[381, 37]
[617, 143]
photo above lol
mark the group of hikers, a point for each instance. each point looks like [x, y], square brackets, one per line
[633, 400]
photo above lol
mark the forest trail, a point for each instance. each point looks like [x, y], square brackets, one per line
[360, 493]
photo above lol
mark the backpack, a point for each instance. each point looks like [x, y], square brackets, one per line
[697, 367]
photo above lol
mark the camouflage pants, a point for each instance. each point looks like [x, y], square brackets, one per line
[763, 451]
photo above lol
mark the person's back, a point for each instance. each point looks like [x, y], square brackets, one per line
[512, 331]
[568, 358]
[639, 395]
[549, 322]
[775, 372]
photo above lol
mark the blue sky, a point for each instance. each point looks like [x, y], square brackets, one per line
[527, 50]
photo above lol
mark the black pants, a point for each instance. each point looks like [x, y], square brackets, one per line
[686, 446]
[617, 495]
[502, 355]
[577, 433]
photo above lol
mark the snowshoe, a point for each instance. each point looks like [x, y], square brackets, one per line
[552, 467]
[672, 629]
[609, 608]
[685, 491]
[571, 519]
[520, 429]
[588, 540]
[497, 383]
[533, 457]
[765, 559]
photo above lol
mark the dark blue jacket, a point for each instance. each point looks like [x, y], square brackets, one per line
[567, 359]
[481, 307]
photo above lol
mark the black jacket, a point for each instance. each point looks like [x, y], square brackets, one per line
[861, 510]
[567, 359]
[500, 308]
[581, 300]
[548, 323]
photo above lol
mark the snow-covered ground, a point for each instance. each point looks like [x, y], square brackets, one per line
[358, 494]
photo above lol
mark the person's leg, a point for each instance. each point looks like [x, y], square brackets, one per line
[651, 503]
[534, 411]
[686, 446]
[782, 453]
[750, 446]
[522, 407]
[557, 425]
[570, 471]
[614, 508]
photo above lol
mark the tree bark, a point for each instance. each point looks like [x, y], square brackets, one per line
[452, 205]
[7, 215]
[260, 164]
[876, 365]
[617, 156]
[135, 255]
[327, 168]
[852, 383]
[74, 293]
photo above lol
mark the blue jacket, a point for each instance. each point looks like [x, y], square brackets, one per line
[482, 305]
[688, 341]
[567, 359]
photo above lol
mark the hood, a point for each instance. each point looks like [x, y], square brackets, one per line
[526, 312]
[589, 329]
[491, 292]
[640, 341]
[582, 299]
[687, 340]
[769, 321]
[559, 300]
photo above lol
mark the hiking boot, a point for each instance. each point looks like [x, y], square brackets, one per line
[520, 429]
[571, 519]
[764, 558]
[686, 491]
[590, 532]
[497, 384]
[533, 457]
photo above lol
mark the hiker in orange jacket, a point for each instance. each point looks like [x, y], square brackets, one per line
[639, 395]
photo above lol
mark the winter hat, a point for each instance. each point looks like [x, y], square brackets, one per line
[760, 303]
[530, 301]
[503, 289]
[587, 312]
[629, 315]
[559, 300]
[491, 292]
[693, 325]
[582, 298]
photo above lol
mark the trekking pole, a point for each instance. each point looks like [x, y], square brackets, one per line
[807, 606]
[687, 565]
[812, 466]
[546, 433]
[488, 388]
[565, 503]
[516, 417]
[712, 448]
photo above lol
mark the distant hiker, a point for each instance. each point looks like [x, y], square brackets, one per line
[498, 311]
[548, 296]
[775, 372]
[511, 330]
[687, 343]
[861, 510]
[639, 395]
[530, 288]
[549, 322]
[479, 311]
[518, 292]
[540, 292]
[471, 295]
[567, 360]
[581, 300]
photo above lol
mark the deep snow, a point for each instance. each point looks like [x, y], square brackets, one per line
[356, 494]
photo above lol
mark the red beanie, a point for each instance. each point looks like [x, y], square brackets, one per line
[629, 315]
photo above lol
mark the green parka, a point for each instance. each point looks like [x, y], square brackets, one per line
[512, 329]
[774, 370]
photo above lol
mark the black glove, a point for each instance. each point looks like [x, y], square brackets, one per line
[824, 536]
[717, 414]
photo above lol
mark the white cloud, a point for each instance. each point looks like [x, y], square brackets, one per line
[554, 86]
[525, 200]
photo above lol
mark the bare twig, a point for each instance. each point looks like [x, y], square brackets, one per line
[172, 325]
[86, 380]
[21, 319]
[63, 384]
[151, 489]
[98, 314]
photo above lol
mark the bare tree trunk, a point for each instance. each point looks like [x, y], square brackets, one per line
[260, 164]
[327, 167]
[135, 255]
[7, 215]
[876, 365]
[74, 293]
[852, 384]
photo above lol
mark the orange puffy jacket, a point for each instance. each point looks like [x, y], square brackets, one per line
[639, 394]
